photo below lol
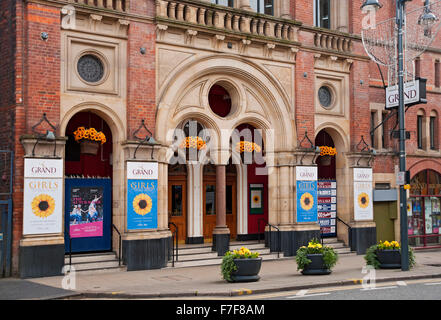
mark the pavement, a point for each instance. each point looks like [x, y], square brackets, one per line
[276, 276]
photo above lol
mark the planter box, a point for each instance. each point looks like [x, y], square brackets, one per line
[316, 267]
[247, 270]
[389, 259]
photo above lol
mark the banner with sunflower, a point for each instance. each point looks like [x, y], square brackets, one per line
[43, 200]
[363, 204]
[43, 196]
[307, 201]
[142, 196]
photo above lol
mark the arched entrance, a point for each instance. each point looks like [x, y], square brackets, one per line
[88, 184]
[424, 210]
[326, 185]
[249, 145]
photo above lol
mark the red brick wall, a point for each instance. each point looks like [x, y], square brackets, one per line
[141, 80]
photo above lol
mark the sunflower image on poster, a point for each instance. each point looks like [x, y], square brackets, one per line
[363, 200]
[43, 205]
[142, 204]
[307, 201]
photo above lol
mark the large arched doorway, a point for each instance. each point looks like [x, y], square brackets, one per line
[424, 210]
[247, 141]
[88, 184]
[326, 185]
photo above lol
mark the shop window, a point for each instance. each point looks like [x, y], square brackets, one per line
[423, 210]
[227, 3]
[263, 6]
[322, 13]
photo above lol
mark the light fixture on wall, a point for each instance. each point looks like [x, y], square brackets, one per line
[44, 36]
[48, 136]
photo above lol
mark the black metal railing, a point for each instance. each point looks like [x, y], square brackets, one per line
[175, 242]
[119, 244]
[270, 226]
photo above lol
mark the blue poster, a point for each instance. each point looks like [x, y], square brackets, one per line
[142, 204]
[307, 201]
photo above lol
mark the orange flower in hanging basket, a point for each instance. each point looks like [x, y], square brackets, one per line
[193, 143]
[89, 134]
[247, 146]
[327, 151]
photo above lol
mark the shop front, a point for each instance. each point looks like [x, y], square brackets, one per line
[423, 210]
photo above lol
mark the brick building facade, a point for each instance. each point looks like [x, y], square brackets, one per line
[295, 70]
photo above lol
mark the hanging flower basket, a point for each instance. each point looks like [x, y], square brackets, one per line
[193, 143]
[326, 154]
[89, 139]
[89, 147]
[247, 146]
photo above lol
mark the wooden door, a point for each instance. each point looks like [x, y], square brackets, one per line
[209, 206]
[177, 205]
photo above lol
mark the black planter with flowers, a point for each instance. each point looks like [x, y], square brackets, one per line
[316, 259]
[389, 259]
[241, 266]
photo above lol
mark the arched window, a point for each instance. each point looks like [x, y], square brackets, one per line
[424, 210]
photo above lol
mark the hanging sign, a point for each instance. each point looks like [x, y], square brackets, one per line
[43, 196]
[142, 195]
[363, 205]
[414, 93]
[306, 194]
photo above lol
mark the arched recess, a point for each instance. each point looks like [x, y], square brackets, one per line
[343, 175]
[277, 110]
[118, 132]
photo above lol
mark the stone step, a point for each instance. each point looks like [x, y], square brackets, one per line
[94, 262]
[93, 257]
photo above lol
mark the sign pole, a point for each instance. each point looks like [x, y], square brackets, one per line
[402, 140]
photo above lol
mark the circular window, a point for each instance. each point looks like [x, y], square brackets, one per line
[220, 100]
[325, 97]
[90, 68]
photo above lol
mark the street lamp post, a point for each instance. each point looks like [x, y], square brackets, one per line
[400, 6]
[427, 20]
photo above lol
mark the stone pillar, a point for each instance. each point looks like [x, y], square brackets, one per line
[245, 5]
[284, 10]
[221, 233]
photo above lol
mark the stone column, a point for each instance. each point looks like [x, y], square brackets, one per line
[245, 5]
[284, 10]
[221, 234]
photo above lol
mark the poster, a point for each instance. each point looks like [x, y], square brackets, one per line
[256, 196]
[363, 203]
[363, 206]
[428, 215]
[43, 196]
[42, 206]
[86, 212]
[307, 201]
[306, 194]
[327, 206]
[142, 202]
[142, 195]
